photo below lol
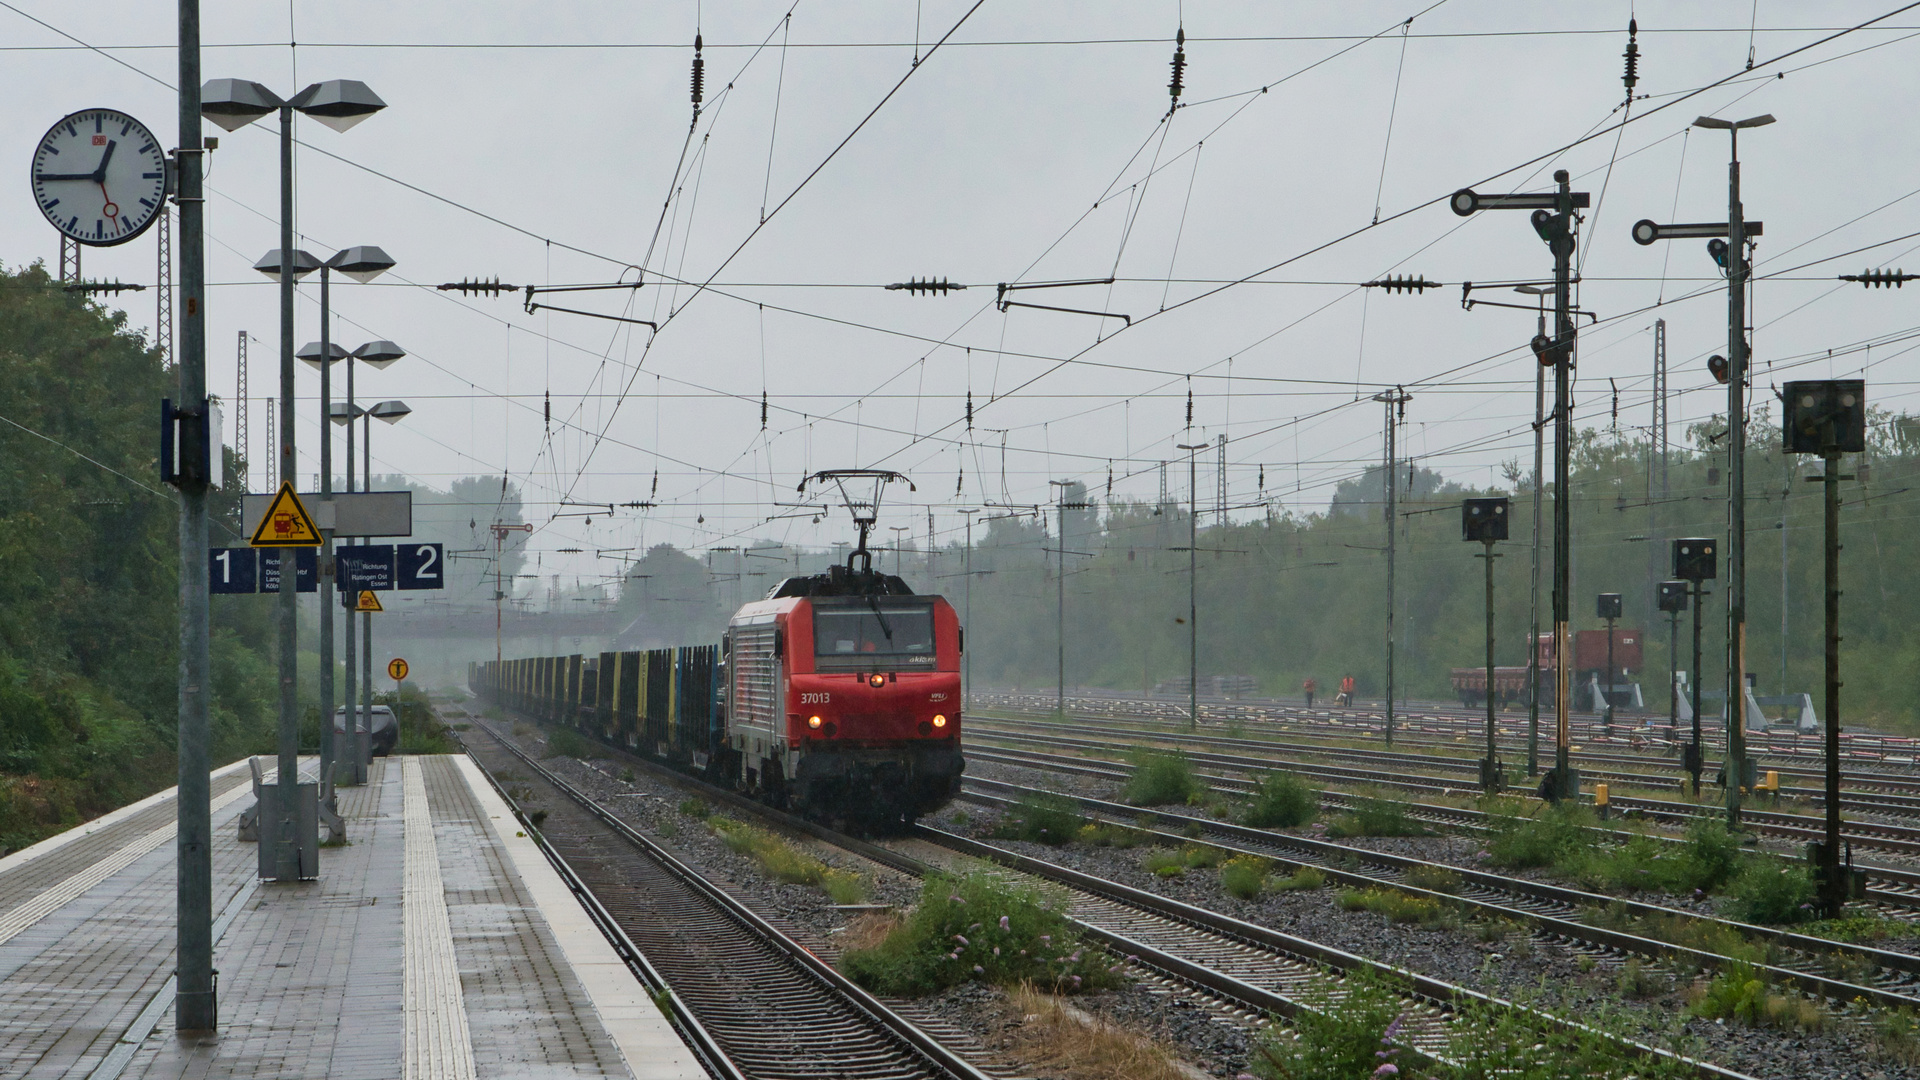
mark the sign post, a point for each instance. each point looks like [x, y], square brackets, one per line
[290, 838]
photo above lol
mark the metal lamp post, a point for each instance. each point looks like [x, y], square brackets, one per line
[389, 412]
[363, 264]
[339, 104]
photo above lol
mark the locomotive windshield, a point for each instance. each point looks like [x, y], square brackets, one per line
[861, 633]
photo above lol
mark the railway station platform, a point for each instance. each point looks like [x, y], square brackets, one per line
[437, 942]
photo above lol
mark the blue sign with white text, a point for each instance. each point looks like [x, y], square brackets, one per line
[306, 566]
[419, 566]
[364, 566]
[232, 570]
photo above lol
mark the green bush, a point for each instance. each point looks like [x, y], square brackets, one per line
[1244, 876]
[1103, 834]
[1770, 893]
[1399, 906]
[983, 928]
[1202, 856]
[1433, 878]
[1163, 863]
[1281, 801]
[1041, 818]
[1713, 855]
[566, 742]
[1338, 1035]
[696, 808]
[1559, 834]
[1737, 993]
[1307, 877]
[782, 861]
[1161, 778]
[1375, 817]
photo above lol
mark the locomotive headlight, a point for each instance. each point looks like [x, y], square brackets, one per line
[813, 721]
[876, 681]
[939, 720]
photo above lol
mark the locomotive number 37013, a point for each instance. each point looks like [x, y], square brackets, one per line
[815, 699]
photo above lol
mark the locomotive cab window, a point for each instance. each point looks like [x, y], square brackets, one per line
[859, 633]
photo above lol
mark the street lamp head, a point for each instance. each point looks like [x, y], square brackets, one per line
[1718, 124]
[379, 353]
[362, 263]
[339, 103]
[235, 103]
[390, 411]
[1533, 290]
[343, 414]
[303, 264]
[310, 353]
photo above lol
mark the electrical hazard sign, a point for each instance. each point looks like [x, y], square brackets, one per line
[286, 523]
[368, 601]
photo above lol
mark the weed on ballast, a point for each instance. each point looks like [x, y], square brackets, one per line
[1740, 994]
[1160, 778]
[1862, 929]
[521, 731]
[1244, 876]
[1161, 862]
[1060, 1043]
[1305, 878]
[1558, 834]
[1372, 816]
[566, 742]
[1281, 801]
[1432, 878]
[696, 808]
[1773, 893]
[1106, 834]
[1040, 818]
[1896, 1035]
[1637, 980]
[783, 862]
[1400, 907]
[980, 927]
[1348, 1030]
[1489, 1040]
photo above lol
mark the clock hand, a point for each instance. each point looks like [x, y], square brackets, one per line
[100, 172]
[65, 176]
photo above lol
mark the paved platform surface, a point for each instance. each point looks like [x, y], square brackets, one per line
[438, 943]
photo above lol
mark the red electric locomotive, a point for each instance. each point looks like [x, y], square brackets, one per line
[843, 690]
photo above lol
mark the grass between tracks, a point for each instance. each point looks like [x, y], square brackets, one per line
[782, 861]
[1755, 887]
[1355, 1030]
[1062, 1041]
[981, 927]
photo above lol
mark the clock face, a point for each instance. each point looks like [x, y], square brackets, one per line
[100, 176]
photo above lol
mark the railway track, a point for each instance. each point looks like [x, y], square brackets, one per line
[1813, 965]
[1463, 735]
[767, 1007]
[1864, 795]
[1892, 891]
[1903, 840]
[1251, 969]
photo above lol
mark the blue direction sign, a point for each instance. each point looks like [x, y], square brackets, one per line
[233, 570]
[364, 566]
[419, 566]
[306, 565]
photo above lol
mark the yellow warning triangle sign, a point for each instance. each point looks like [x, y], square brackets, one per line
[368, 602]
[286, 523]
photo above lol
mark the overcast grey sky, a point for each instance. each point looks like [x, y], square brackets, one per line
[539, 143]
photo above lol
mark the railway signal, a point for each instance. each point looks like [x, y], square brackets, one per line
[1729, 247]
[1673, 601]
[1485, 520]
[1553, 218]
[1829, 418]
[1695, 561]
[1608, 607]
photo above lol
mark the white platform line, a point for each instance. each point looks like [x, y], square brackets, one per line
[76, 885]
[80, 832]
[652, 1048]
[438, 1044]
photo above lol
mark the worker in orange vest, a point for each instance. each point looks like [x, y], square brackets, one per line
[1346, 691]
[1309, 687]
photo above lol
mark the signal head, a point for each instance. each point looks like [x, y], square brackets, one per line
[1718, 365]
[1718, 249]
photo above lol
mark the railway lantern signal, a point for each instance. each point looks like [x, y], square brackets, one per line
[1829, 418]
[1607, 606]
[1673, 597]
[1673, 601]
[1694, 561]
[1485, 521]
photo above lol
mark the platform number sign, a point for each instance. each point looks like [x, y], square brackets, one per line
[419, 566]
[233, 570]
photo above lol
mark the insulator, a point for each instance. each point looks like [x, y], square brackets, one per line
[960, 483]
[1874, 279]
[763, 410]
[699, 74]
[480, 286]
[547, 409]
[916, 286]
[969, 410]
[1179, 64]
[656, 484]
[1408, 283]
[1632, 76]
[1109, 479]
[1189, 406]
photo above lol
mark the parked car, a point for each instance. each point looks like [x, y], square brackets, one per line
[385, 729]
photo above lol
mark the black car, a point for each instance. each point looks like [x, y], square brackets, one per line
[385, 731]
